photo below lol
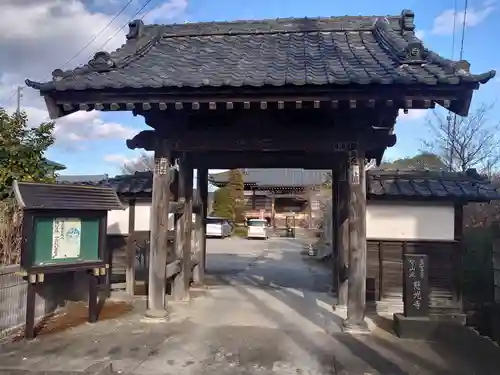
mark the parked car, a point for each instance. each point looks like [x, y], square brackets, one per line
[257, 228]
[218, 227]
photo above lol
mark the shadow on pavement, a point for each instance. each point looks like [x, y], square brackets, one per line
[462, 352]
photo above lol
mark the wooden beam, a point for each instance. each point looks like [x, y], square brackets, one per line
[176, 207]
[266, 140]
[200, 225]
[270, 94]
[159, 233]
[319, 141]
[356, 293]
[233, 160]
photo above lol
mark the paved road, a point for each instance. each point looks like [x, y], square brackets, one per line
[265, 311]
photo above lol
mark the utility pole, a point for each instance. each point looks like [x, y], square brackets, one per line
[19, 97]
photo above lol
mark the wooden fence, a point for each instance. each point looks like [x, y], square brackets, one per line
[496, 269]
[13, 300]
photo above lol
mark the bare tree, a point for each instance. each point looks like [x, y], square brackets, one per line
[145, 163]
[466, 142]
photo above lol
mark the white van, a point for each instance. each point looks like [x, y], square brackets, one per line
[218, 227]
[257, 228]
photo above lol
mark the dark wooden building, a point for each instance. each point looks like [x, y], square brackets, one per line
[275, 193]
[314, 93]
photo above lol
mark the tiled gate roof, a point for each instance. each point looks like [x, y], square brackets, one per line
[282, 52]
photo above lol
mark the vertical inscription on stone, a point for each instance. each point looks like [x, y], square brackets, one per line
[416, 285]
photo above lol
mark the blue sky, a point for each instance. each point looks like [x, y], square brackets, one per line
[433, 19]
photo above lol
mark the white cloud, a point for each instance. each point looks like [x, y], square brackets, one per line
[117, 159]
[443, 24]
[120, 159]
[167, 11]
[412, 115]
[47, 35]
[420, 34]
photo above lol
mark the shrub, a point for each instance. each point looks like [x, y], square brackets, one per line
[240, 231]
[222, 206]
[10, 233]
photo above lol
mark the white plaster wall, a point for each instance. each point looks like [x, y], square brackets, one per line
[118, 220]
[142, 216]
[402, 221]
[410, 221]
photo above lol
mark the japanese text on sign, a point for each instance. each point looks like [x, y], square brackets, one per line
[416, 292]
[416, 284]
[66, 235]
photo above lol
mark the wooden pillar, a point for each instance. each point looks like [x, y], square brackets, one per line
[342, 217]
[202, 197]
[273, 213]
[178, 289]
[356, 293]
[186, 272]
[159, 233]
[309, 207]
[335, 234]
[131, 247]
[457, 256]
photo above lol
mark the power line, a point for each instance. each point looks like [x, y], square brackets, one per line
[448, 118]
[454, 28]
[98, 34]
[11, 97]
[146, 3]
[464, 22]
[462, 40]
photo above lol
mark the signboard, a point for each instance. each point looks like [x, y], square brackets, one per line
[64, 240]
[355, 177]
[416, 285]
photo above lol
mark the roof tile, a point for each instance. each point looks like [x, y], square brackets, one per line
[33, 196]
[307, 51]
[467, 187]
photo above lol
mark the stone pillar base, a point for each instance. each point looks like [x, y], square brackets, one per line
[155, 316]
[355, 327]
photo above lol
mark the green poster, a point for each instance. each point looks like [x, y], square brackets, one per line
[65, 240]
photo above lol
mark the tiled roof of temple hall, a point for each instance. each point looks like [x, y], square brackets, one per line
[281, 52]
[391, 184]
[383, 184]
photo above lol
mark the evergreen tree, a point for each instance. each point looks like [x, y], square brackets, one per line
[21, 151]
[222, 206]
[236, 190]
[21, 158]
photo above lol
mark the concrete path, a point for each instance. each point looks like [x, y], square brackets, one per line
[265, 311]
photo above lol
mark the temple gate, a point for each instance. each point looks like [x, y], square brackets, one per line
[307, 93]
